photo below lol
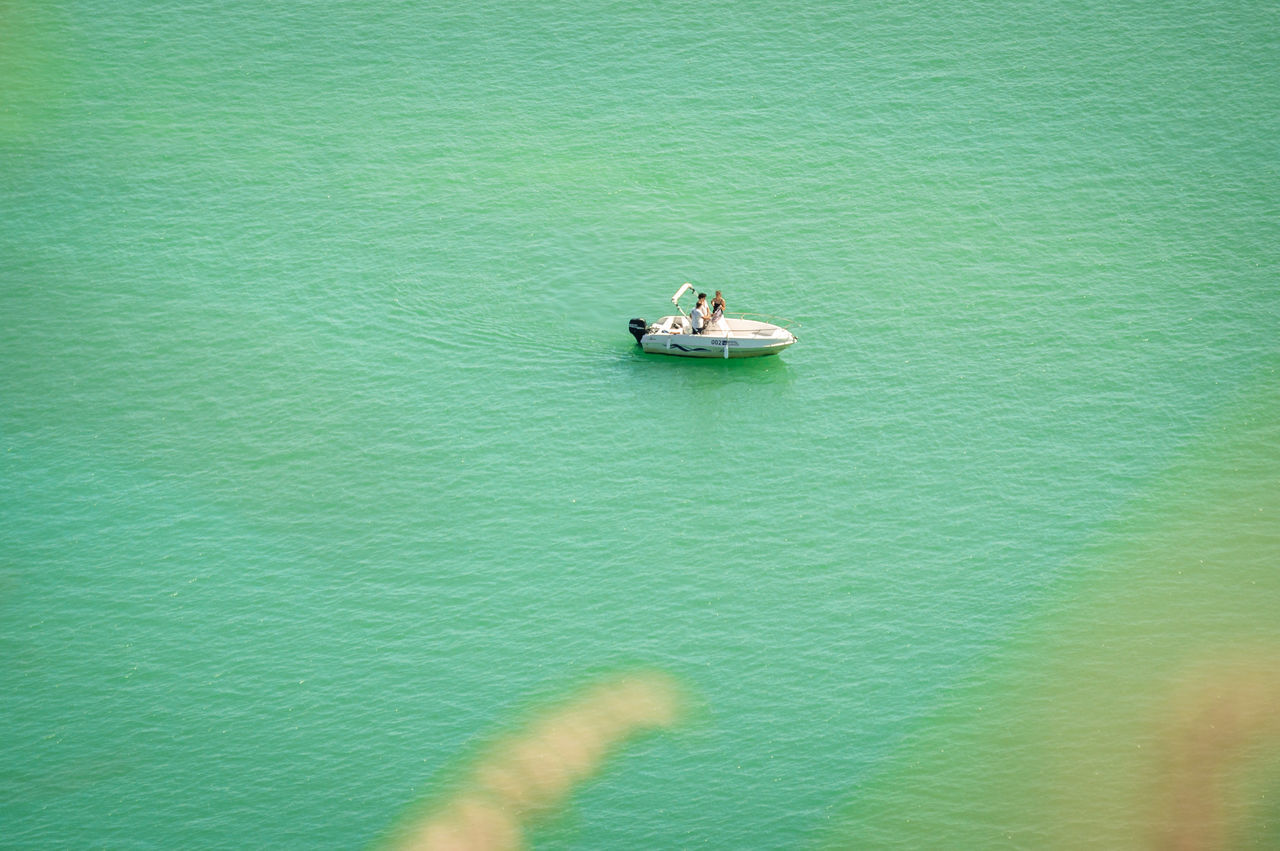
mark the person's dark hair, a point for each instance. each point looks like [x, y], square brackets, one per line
[701, 296]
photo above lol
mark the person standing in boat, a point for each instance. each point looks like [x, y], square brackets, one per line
[699, 315]
[717, 307]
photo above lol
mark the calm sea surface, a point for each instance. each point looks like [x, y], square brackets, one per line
[325, 455]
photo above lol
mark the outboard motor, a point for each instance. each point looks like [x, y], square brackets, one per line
[638, 328]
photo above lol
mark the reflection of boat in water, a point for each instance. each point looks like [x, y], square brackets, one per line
[730, 336]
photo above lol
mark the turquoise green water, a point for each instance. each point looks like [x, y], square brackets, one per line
[325, 454]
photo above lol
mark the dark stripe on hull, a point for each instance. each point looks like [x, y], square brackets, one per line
[680, 350]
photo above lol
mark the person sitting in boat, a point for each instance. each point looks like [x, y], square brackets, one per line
[717, 307]
[700, 314]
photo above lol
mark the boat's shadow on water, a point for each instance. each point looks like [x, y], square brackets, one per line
[768, 369]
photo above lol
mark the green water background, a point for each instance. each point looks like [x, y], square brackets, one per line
[326, 453]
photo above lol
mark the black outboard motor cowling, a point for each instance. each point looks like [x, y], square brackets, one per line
[637, 327]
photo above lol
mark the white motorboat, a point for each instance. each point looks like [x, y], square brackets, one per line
[730, 336]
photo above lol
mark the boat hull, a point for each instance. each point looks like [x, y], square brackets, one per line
[712, 346]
